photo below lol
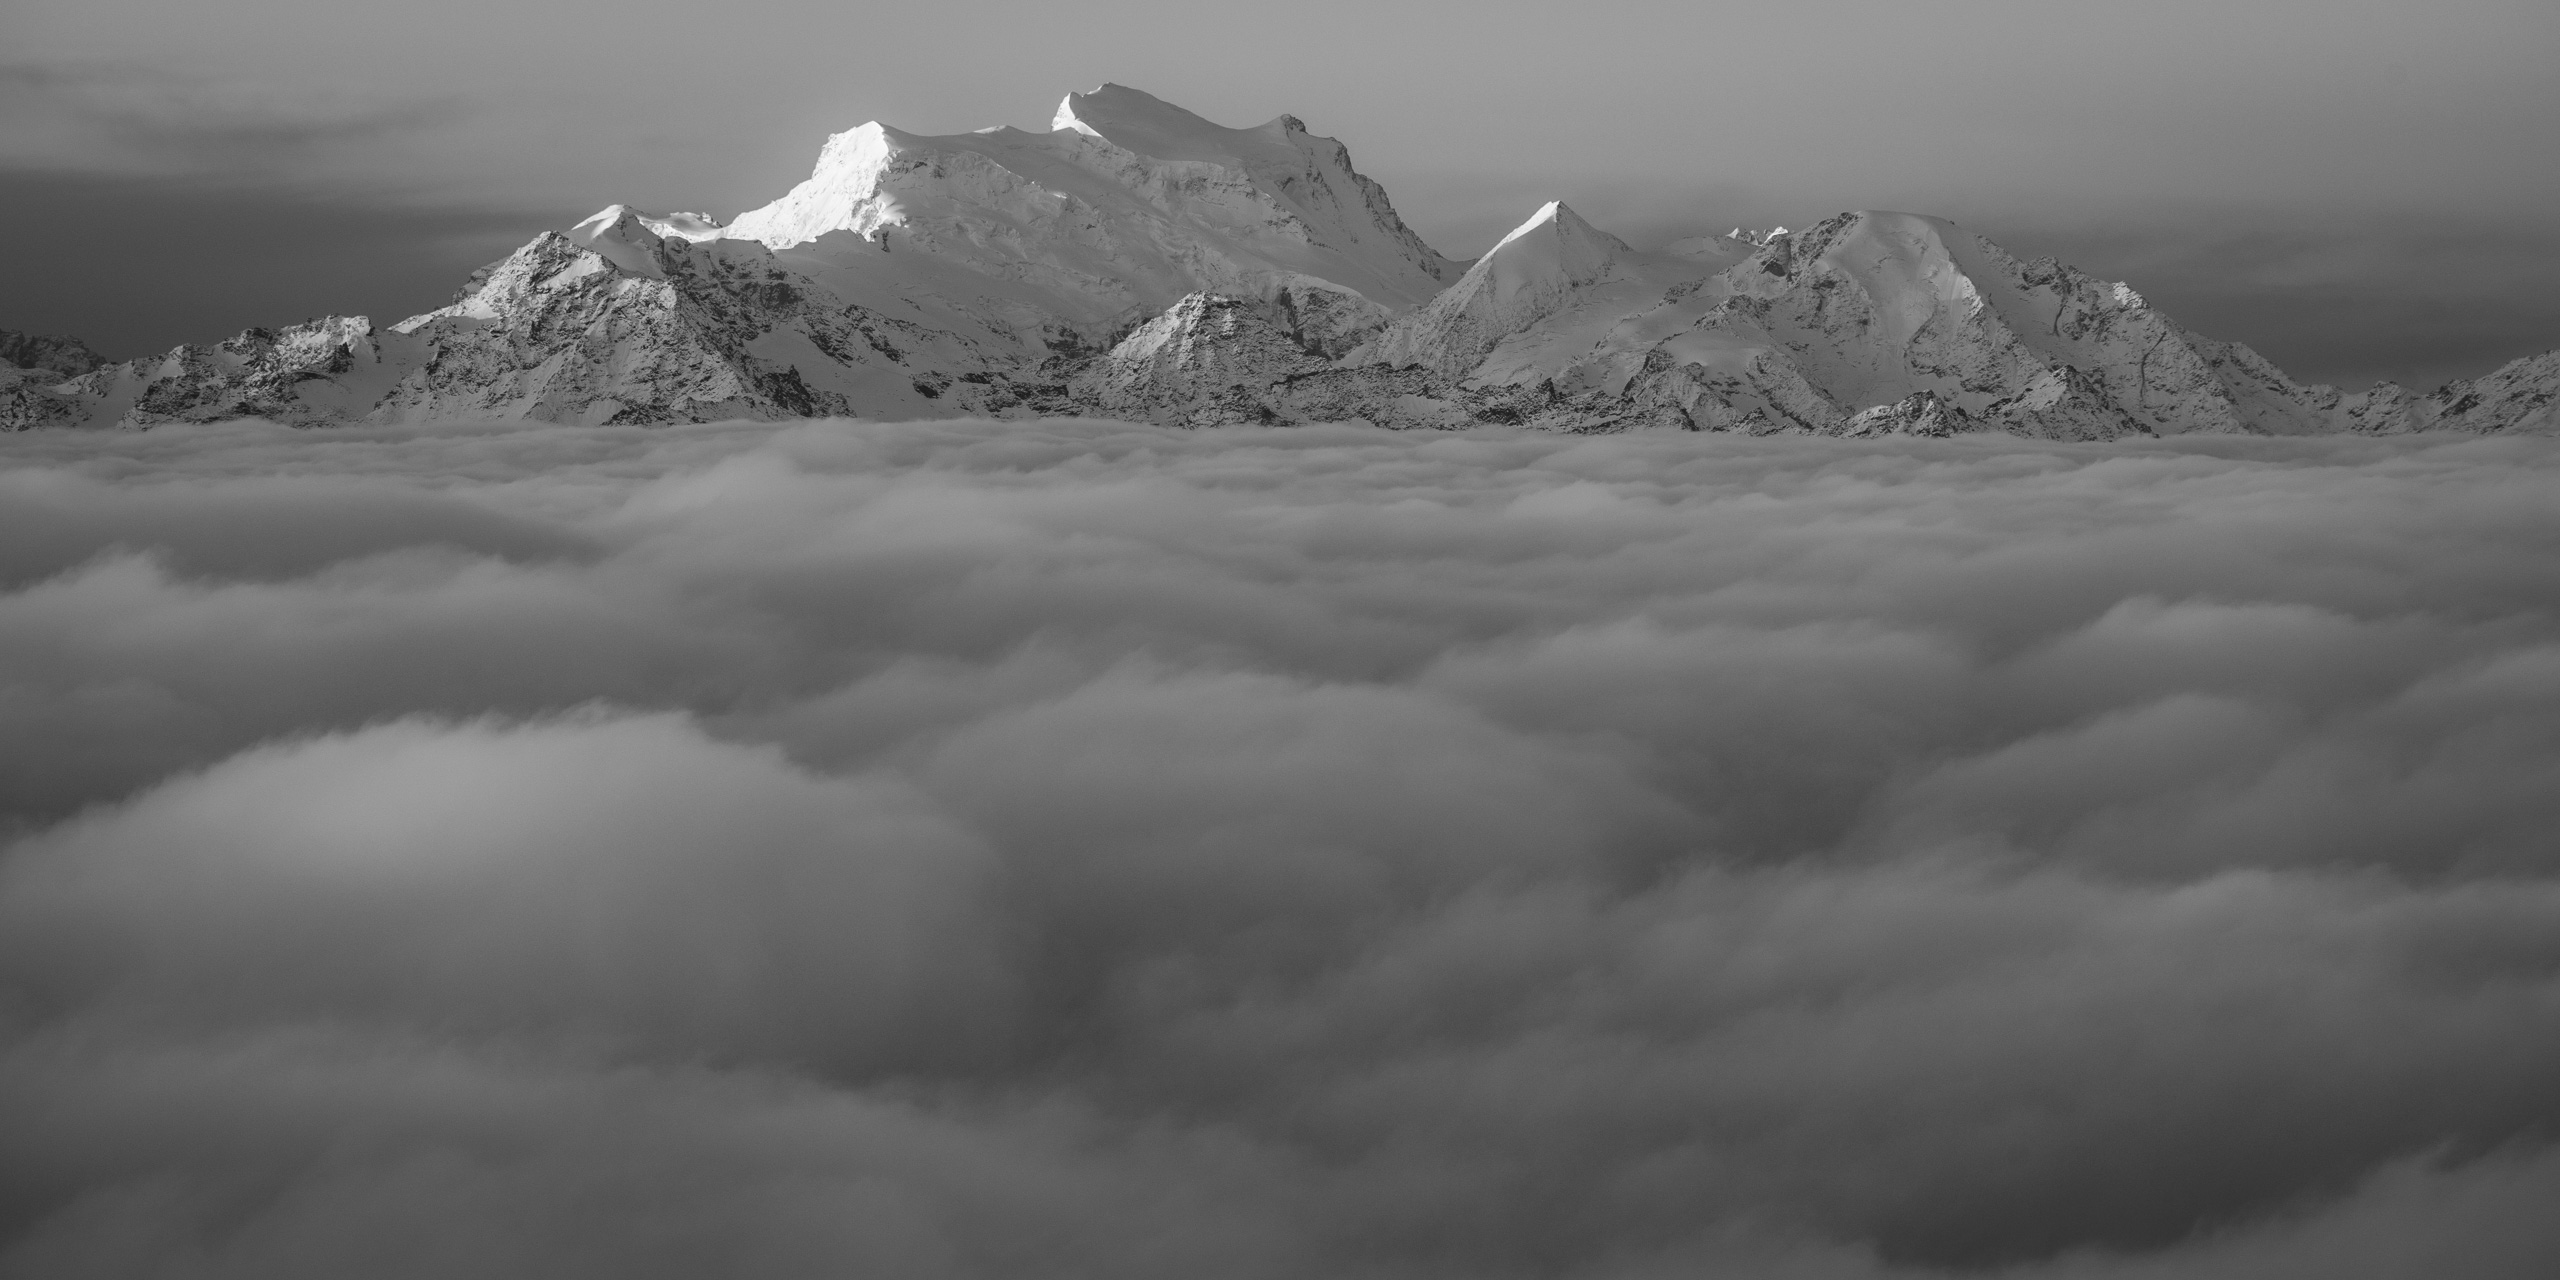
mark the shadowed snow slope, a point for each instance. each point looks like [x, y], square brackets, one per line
[1538, 268]
[998, 273]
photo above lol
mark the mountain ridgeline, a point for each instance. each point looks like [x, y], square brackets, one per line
[1136, 261]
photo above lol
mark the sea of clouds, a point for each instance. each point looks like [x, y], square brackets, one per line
[1077, 849]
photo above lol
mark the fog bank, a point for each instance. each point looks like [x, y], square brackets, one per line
[972, 849]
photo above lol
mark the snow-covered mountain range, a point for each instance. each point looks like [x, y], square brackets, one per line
[1138, 261]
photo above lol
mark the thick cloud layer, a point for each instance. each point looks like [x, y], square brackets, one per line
[976, 849]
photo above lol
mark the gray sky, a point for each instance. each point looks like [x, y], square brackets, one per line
[2359, 188]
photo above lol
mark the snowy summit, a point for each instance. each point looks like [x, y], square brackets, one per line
[1136, 260]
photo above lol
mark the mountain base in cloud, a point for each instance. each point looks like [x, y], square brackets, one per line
[1138, 261]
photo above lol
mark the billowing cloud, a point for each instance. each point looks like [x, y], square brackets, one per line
[970, 849]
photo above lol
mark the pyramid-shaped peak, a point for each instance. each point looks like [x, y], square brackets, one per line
[1535, 270]
[1557, 217]
[1555, 241]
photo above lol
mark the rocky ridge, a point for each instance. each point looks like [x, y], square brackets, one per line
[1137, 261]
[40, 353]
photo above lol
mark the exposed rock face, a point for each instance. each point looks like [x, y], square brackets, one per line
[2517, 396]
[2065, 403]
[1921, 413]
[1201, 362]
[31, 365]
[41, 354]
[28, 400]
[1139, 261]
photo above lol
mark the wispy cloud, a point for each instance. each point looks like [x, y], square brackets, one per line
[132, 119]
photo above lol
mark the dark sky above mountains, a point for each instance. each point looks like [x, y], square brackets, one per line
[2358, 189]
